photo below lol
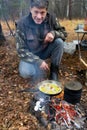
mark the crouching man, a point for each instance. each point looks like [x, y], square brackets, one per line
[39, 37]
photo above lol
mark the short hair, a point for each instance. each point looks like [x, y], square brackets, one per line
[39, 3]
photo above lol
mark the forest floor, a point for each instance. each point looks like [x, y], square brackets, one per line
[14, 105]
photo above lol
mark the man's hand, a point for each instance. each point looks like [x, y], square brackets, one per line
[49, 38]
[44, 66]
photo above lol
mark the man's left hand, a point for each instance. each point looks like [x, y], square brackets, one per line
[49, 38]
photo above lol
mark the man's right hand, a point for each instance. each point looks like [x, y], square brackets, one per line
[49, 38]
[44, 66]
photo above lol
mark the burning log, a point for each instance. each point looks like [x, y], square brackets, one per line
[68, 115]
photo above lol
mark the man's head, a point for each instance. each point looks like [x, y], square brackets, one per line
[39, 10]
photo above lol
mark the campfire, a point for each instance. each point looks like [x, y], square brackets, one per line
[54, 112]
[68, 115]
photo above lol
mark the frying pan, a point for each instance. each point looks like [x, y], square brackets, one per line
[49, 87]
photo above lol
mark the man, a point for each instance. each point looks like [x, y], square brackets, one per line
[39, 37]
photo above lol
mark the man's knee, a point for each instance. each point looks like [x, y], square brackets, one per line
[26, 70]
[23, 73]
[59, 42]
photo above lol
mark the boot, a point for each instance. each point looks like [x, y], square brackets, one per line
[54, 72]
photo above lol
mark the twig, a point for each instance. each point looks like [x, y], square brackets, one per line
[83, 61]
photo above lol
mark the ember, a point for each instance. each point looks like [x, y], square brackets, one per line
[67, 111]
[66, 114]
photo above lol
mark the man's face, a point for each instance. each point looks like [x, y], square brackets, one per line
[38, 14]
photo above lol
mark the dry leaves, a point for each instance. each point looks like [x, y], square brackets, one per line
[14, 105]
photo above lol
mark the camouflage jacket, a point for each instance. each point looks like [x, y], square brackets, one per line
[30, 36]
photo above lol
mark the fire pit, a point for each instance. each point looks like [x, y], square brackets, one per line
[68, 116]
[53, 111]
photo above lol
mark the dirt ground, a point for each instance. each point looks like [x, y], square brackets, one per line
[13, 105]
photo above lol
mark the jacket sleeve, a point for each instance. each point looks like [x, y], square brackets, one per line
[58, 31]
[22, 48]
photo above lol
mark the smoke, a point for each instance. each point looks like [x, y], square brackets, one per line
[39, 76]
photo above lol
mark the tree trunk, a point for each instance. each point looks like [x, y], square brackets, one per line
[70, 10]
[2, 38]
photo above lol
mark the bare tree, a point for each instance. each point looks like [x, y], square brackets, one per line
[62, 8]
[70, 9]
[2, 38]
[85, 7]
